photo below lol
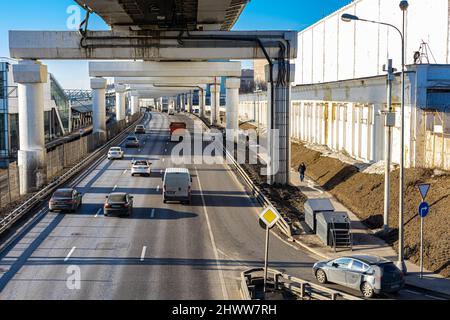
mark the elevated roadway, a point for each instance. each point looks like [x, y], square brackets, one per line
[164, 251]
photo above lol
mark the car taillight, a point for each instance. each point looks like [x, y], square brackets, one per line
[107, 205]
[126, 205]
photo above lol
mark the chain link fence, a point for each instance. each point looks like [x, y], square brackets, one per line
[58, 159]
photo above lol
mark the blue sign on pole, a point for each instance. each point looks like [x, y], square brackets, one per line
[424, 208]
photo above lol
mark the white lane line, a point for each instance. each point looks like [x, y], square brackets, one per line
[115, 187]
[70, 253]
[152, 215]
[213, 242]
[157, 188]
[125, 171]
[144, 250]
[163, 160]
[98, 213]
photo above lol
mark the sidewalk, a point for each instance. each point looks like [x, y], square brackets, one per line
[364, 241]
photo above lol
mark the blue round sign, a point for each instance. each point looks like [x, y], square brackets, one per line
[424, 208]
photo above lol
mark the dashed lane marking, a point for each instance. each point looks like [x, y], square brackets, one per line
[144, 250]
[152, 215]
[98, 213]
[70, 254]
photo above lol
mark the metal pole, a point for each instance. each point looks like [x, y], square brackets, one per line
[421, 248]
[266, 260]
[401, 263]
[388, 148]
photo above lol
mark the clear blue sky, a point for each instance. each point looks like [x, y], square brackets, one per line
[52, 15]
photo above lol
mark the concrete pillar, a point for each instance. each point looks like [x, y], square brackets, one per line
[280, 154]
[134, 98]
[98, 86]
[31, 76]
[202, 103]
[215, 101]
[233, 85]
[120, 102]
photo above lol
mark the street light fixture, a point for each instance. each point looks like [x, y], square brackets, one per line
[347, 18]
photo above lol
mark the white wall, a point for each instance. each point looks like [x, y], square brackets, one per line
[332, 50]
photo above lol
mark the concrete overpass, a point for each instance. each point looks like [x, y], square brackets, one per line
[172, 42]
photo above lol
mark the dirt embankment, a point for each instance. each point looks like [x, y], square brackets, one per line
[364, 194]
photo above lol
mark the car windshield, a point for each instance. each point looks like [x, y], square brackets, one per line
[140, 127]
[115, 149]
[131, 139]
[63, 194]
[117, 198]
[141, 163]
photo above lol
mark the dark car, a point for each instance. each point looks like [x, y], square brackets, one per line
[65, 200]
[370, 274]
[132, 142]
[140, 129]
[118, 203]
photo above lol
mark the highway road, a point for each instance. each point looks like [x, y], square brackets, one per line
[164, 251]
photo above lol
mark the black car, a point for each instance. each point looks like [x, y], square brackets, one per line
[65, 200]
[118, 203]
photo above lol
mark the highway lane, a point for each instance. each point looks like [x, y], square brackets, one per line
[164, 251]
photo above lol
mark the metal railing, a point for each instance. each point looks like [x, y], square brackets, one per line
[254, 190]
[301, 288]
[7, 221]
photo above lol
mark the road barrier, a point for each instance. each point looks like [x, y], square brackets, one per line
[253, 189]
[303, 289]
[9, 220]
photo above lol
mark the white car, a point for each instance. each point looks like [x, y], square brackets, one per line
[140, 167]
[115, 153]
[177, 185]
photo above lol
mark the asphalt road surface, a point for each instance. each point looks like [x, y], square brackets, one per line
[163, 251]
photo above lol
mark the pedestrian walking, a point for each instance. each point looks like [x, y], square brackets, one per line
[302, 171]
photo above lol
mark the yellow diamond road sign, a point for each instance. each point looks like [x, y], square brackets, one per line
[270, 216]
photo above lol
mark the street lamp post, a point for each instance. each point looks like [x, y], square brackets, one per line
[347, 18]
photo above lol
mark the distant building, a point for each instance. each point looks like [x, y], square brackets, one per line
[247, 81]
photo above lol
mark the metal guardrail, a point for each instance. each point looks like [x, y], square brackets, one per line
[297, 286]
[7, 221]
[255, 191]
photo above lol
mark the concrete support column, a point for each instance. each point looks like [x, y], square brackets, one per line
[134, 103]
[120, 102]
[202, 103]
[215, 101]
[279, 106]
[98, 86]
[31, 76]
[233, 85]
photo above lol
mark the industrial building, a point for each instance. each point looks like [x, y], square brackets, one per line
[340, 86]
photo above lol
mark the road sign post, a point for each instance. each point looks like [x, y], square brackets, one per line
[269, 217]
[424, 209]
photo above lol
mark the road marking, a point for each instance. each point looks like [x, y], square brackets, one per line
[144, 250]
[163, 160]
[433, 297]
[152, 214]
[98, 212]
[70, 253]
[125, 171]
[157, 189]
[213, 242]
[115, 187]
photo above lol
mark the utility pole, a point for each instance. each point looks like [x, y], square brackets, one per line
[389, 124]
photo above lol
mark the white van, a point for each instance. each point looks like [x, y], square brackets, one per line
[177, 185]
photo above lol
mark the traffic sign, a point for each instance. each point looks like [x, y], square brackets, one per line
[424, 188]
[270, 216]
[424, 208]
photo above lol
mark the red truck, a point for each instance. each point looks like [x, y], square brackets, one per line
[177, 131]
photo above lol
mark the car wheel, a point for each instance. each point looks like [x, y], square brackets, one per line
[367, 290]
[321, 276]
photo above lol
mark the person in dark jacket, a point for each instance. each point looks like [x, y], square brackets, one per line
[302, 171]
